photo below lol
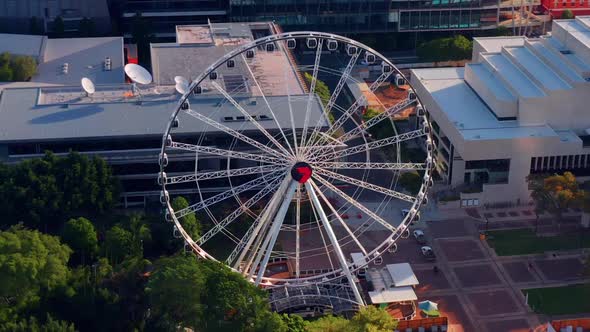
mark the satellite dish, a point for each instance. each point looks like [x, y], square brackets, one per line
[182, 88]
[88, 85]
[180, 79]
[138, 74]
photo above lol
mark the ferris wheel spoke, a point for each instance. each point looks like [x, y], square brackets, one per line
[267, 104]
[366, 185]
[227, 153]
[274, 230]
[191, 177]
[332, 236]
[314, 78]
[373, 145]
[341, 83]
[256, 230]
[371, 165]
[356, 105]
[250, 118]
[297, 230]
[234, 133]
[339, 218]
[250, 185]
[378, 118]
[325, 245]
[355, 203]
[243, 208]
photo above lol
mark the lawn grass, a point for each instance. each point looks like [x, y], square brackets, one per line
[523, 241]
[564, 300]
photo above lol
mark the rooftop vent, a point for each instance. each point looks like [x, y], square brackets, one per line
[65, 68]
[108, 65]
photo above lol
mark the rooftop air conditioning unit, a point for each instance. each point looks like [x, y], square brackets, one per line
[108, 65]
[65, 68]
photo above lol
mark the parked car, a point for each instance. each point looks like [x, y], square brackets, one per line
[419, 236]
[428, 253]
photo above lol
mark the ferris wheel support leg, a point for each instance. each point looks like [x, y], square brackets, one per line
[276, 228]
[316, 202]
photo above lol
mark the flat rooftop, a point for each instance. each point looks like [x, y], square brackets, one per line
[32, 114]
[495, 44]
[469, 114]
[85, 58]
[198, 46]
[30, 45]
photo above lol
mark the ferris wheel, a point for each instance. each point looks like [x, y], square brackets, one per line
[296, 160]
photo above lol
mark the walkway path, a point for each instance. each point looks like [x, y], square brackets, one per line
[480, 291]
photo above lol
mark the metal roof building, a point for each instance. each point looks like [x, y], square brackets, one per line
[519, 108]
[52, 112]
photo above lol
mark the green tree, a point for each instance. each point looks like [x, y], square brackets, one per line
[118, 244]
[45, 192]
[87, 27]
[58, 27]
[189, 222]
[411, 181]
[329, 324]
[233, 303]
[80, 235]
[175, 293]
[23, 67]
[294, 323]
[321, 90]
[372, 319]
[140, 234]
[567, 15]
[445, 49]
[5, 73]
[30, 263]
[32, 324]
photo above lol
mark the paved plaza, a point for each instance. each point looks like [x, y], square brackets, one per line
[478, 290]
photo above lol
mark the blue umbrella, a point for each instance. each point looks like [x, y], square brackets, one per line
[427, 305]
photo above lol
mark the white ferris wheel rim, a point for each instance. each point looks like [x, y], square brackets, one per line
[280, 158]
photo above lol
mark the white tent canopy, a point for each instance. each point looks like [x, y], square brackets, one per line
[402, 274]
[392, 295]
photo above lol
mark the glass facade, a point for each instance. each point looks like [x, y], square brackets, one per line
[357, 16]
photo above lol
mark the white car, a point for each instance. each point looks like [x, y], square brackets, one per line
[428, 253]
[419, 236]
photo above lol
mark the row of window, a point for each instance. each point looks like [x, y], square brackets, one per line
[545, 163]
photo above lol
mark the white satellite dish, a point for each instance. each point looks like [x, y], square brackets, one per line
[88, 85]
[181, 88]
[180, 79]
[138, 74]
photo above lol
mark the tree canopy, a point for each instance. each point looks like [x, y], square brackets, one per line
[322, 90]
[43, 193]
[189, 222]
[556, 193]
[567, 14]
[411, 181]
[17, 68]
[30, 262]
[445, 49]
[80, 235]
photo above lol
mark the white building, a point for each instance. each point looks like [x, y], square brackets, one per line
[520, 107]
